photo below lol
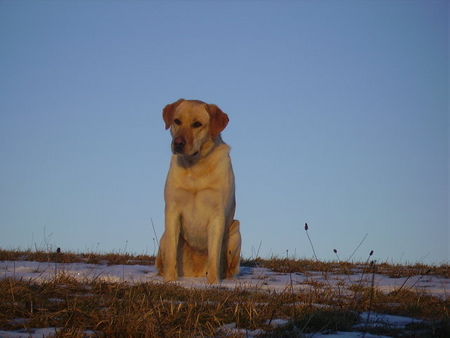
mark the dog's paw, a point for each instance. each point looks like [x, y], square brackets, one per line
[213, 278]
[170, 276]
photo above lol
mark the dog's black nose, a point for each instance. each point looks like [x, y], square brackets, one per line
[178, 144]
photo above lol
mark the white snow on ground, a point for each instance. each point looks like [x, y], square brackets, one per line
[32, 333]
[249, 278]
[382, 320]
[38, 333]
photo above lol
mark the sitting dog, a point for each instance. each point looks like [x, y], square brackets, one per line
[201, 238]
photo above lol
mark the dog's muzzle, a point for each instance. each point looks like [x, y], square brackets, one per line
[178, 145]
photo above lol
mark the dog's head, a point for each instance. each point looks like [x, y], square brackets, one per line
[192, 124]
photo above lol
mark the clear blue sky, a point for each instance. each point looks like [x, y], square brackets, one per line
[338, 117]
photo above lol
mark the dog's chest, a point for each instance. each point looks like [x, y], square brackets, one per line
[197, 199]
[195, 184]
[196, 179]
[197, 212]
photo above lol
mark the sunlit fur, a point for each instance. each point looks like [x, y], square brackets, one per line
[201, 237]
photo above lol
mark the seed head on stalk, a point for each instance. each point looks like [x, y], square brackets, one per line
[310, 242]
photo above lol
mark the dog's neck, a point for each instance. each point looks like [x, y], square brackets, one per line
[206, 149]
[209, 146]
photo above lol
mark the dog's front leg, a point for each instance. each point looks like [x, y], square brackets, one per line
[215, 238]
[171, 238]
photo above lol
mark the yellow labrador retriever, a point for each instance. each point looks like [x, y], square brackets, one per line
[201, 237]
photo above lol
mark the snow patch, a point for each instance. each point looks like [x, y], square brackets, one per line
[382, 320]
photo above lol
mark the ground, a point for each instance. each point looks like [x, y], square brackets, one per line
[100, 295]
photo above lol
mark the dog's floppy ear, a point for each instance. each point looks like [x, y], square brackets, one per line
[218, 120]
[168, 112]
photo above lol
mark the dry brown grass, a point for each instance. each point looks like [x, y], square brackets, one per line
[167, 310]
[305, 265]
[71, 257]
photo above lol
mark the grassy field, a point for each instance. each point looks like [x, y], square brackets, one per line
[98, 308]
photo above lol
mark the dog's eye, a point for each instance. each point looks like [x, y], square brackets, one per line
[196, 124]
[177, 122]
